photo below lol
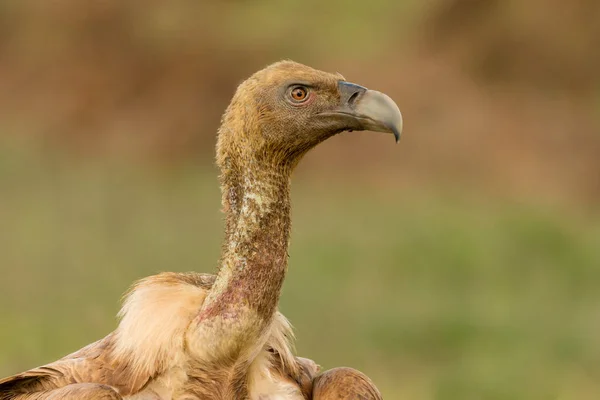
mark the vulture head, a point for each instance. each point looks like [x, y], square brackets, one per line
[284, 110]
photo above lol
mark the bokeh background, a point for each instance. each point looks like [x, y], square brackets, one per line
[463, 263]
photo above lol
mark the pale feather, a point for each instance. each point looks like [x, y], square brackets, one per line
[145, 357]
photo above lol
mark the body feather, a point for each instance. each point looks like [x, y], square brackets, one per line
[145, 358]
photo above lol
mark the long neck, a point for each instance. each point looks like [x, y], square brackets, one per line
[244, 297]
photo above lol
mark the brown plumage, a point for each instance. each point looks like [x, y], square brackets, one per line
[197, 336]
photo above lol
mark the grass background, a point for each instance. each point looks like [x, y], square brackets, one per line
[463, 263]
[436, 297]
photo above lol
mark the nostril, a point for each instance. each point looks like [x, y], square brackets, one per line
[353, 98]
[350, 93]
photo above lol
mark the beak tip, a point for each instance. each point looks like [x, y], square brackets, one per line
[396, 134]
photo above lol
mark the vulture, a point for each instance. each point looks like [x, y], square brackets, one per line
[192, 336]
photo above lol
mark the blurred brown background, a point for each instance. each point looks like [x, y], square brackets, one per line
[475, 243]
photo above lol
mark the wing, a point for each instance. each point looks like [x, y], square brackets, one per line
[88, 373]
[148, 342]
[142, 347]
[344, 383]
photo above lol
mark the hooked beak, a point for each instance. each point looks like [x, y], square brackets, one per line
[373, 110]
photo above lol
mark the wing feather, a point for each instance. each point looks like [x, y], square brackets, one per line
[147, 344]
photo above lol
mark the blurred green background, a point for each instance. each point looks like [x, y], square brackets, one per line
[463, 263]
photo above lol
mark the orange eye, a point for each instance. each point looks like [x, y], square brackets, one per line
[299, 93]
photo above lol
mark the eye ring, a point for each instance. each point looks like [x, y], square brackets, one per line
[298, 94]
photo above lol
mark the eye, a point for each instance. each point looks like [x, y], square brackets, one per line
[299, 94]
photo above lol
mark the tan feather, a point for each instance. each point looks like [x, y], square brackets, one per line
[146, 354]
[344, 383]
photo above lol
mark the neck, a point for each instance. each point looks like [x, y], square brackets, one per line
[256, 201]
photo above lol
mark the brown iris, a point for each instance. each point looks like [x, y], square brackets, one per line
[299, 93]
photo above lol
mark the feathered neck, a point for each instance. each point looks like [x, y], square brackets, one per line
[241, 305]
